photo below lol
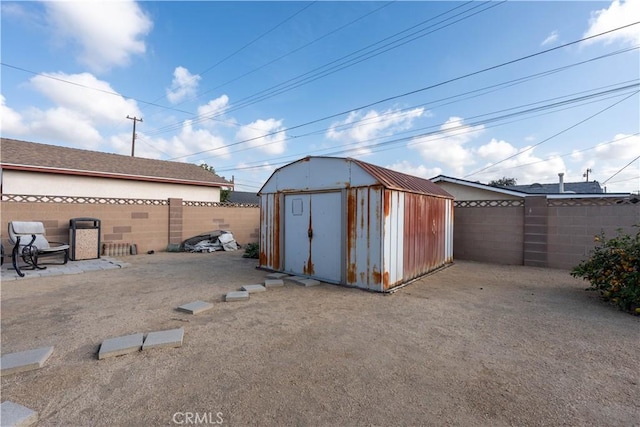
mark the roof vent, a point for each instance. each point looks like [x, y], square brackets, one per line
[561, 183]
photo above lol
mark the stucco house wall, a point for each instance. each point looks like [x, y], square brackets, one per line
[49, 184]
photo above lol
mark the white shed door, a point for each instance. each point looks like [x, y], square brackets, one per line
[313, 235]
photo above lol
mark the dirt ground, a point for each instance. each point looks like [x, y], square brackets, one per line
[474, 344]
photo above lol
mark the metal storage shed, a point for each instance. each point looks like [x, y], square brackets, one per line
[345, 221]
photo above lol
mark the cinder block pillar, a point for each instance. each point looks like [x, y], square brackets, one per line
[175, 221]
[535, 231]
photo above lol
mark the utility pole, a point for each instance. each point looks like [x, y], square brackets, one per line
[586, 174]
[133, 137]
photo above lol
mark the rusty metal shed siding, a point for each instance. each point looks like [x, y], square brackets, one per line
[425, 234]
[393, 239]
[364, 231]
[270, 231]
[390, 235]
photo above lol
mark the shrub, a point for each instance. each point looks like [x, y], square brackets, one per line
[614, 270]
[252, 250]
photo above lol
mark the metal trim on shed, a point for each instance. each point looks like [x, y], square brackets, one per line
[395, 227]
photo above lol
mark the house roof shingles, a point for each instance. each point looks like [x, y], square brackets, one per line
[243, 198]
[590, 187]
[23, 155]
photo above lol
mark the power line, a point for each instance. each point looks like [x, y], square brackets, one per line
[478, 122]
[258, 38]
[569, 154]
[295, 50]
[240, 50]
[628, 179]
[413, 91]
[610, 93]
[265, 94]
[554, 135]
[621, 169]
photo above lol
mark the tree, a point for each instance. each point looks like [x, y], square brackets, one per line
[224, 195]
[224, 192]
[503, 182]
[208, 168]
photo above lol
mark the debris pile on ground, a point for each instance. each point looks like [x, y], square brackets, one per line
[218, 240]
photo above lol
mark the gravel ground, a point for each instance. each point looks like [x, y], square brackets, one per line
[474, 344]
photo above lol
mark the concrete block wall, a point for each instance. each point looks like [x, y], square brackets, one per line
[243, 222]
[571, 230]
[149, 226]
[543, 233]
[143, 225]
[489, 234]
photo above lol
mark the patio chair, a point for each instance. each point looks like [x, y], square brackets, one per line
[30, 244]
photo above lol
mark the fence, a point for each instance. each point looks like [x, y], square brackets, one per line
[150, 224]
[542, 231]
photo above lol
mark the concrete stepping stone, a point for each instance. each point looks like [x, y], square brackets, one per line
[295, 278]
[196, 307]
[305, 281]
[254, 288]
[273, 283]
[113, 347]
[15, 415]
[237, 296]
[309, 282]
[277, 275]
[25, 360]
[169, 338]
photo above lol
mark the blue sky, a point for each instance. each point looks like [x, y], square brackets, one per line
[426, 88]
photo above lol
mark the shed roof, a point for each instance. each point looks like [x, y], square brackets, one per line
[401, 181]
[376, 174]
[31, 156]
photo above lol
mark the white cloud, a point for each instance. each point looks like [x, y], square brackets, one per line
[527, 168]
[550, 38]
[108, 33]
[361, 129]
[447, 146]
[75, 118]
[189, 140]
[65, 126]
[405, 166]
[257, 135]
[214, 107]
[184, 85]
[11, 122]
[103, 106]
[496, 150]
[618, 14]
[254, 177]
[624, 146]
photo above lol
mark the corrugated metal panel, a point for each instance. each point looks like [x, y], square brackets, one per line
[391, 235]
[394, 249]
[449, 232]
[270, 233]
[425, 234]
[395, 180]
[364, 234]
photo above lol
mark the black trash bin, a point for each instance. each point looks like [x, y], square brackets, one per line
[84, 238]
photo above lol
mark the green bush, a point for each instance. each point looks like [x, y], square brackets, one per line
[614, 270]
[252, 250]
